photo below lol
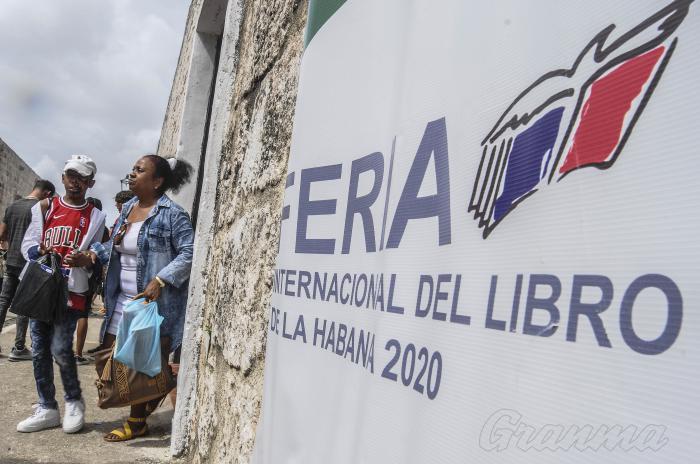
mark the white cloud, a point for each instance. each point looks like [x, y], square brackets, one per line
[47, 167]
[85, 76]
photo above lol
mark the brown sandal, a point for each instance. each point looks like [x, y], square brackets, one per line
[125, 433]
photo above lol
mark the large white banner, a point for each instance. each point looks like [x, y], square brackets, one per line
[490, 240]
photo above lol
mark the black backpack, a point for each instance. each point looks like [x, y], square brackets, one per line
[43, 291]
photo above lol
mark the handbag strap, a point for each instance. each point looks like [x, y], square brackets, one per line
[107, 371]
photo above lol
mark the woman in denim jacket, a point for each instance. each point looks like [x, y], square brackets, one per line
[149, 255]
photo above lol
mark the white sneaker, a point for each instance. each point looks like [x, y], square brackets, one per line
[74, 419]
[43, 418]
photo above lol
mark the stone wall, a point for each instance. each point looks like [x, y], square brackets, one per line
[167, 145]
[16, 177]
[220, 389]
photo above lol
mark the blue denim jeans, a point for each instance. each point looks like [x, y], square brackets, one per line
[54, 341]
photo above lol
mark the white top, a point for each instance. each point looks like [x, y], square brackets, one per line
[128, 258]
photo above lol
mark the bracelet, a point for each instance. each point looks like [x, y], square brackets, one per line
[161, 282]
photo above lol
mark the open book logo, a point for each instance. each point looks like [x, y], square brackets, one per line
[573, 118]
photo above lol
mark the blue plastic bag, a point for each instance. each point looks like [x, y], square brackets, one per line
[138, 337]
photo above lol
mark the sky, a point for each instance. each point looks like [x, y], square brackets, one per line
[87, 77]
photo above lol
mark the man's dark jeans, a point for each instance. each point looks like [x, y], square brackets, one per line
[49, 341]
[10, 281]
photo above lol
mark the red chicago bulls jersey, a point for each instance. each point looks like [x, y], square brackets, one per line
[65, 226]
[64, 229]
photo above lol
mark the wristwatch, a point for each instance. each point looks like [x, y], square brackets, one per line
[161, 282]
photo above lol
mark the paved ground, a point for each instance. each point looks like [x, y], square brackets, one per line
[17, 393]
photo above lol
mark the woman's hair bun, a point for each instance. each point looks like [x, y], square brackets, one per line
[174, 172]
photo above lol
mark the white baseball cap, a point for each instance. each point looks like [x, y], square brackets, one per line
[82, 164]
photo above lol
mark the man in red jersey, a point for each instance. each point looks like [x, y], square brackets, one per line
[66, 226]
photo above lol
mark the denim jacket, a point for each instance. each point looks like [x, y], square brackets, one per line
[165, 245]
